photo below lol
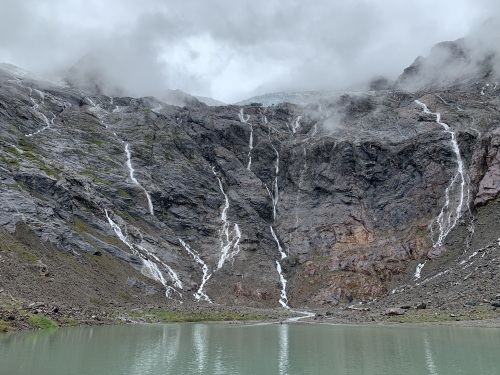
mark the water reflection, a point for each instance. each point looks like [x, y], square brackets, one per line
[200, 345]
[429, 359]
[240, 349]
[283, 352]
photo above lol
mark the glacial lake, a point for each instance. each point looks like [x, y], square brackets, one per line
[252, 349]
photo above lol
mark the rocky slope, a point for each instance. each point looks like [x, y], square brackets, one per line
[123, 201]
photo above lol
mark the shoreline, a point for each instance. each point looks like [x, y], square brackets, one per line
[33, 316]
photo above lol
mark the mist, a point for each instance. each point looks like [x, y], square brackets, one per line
[231, 51]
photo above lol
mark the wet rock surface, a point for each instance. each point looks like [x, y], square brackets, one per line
[345, 195]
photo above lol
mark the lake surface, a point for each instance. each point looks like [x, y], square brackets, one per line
[252, 349]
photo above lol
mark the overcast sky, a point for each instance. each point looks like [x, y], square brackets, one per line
[231, 50]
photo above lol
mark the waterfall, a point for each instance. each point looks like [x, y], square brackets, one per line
[229, 240]
[274, 194]
[242, 117]
[418, 271]
[175, 278]
[280, 249]
[39, 113]
[200, 294]
[134, 180]
[150, 268]
[244, 120]
[283, 297]
[449, 215]
[296, 124]
[91, 102]
[250, 146]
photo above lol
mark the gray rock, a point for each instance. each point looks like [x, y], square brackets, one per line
[421, 306]
[393, 311]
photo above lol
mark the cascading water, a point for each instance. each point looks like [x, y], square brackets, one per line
[39, 113]
[450, 212]
[283, 297]
[175, 278]
[280, 249]
[296, 124]
[484, 88]
[244, 120]
[200, 294]
[418, 271]
[150, 268]
[91, 102]
[134, 180]
[229, 240]
[274, 194]
[242, 116]
[250, 146]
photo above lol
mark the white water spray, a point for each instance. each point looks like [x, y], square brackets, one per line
[434, 277]
[296, 124]
[283, 298]
[39, 113]
[150, 268]
[418, 271]
[274, 194]
[175, 278]
[280, 249]
[470, 257]
[200, 294]
[244, 119]
[91, 102]
[229, 240]
[242, 116]
[451, 211]
[484, 88]
[134, 180]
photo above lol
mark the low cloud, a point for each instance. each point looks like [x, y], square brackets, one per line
[232, 51]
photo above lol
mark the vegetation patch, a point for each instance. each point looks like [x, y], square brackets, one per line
[22, 253]
[169, 316]
[5, 327]
[70, 322]
[41, 322]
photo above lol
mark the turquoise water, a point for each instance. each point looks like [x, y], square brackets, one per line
[252, 349]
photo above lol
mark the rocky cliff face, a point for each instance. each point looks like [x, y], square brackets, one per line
[242, 205]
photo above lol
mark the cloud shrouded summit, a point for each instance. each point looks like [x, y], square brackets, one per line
[230, 50]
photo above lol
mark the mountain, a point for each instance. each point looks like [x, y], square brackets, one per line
[388, 196]
[464, 61]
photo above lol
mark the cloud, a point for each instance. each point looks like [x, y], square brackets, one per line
[230, 50]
